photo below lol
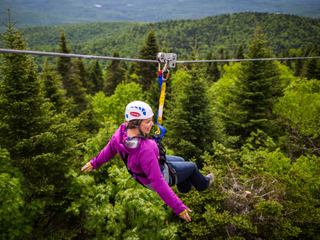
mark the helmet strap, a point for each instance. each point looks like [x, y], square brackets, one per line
[138, 126]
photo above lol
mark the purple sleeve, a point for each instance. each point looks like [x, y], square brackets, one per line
[150, 165]
[104, 156]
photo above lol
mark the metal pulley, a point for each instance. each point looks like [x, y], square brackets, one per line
[170, 58]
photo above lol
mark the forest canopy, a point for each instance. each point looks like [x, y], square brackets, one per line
[254, 124]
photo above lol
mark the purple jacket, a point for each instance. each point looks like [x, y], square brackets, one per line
[143, 159]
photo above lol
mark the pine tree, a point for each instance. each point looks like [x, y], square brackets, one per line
[96, 76]
[240, 53]
[41, 144]
[298, 65]
[63, 63]
[313, 69]
[164, 46]
[254, 94]
[190, 129]
[115, 75]
[212, 71]
[147, 71]
[313, 64]
[71, 78]
[52, 87]
[84, 76]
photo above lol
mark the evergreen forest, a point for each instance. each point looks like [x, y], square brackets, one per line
[58, 12]
[220, 34]
[254, 124]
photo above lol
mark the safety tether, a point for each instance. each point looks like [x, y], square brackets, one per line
[162, 82]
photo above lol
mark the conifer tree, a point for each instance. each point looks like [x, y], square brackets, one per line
[255, 92]
[190, 129]
[240, 53]
[63, 63]
[41, 144]
[123, 65]
[298, 65]
[313, 69]
[164, 46]
[115, 75]
[96, 76]
[147, 71]
[52, 87]
[212, 71]
[84, 76]
[313, 64]
[71, 78]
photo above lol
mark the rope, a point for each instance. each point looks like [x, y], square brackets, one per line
[141, 60]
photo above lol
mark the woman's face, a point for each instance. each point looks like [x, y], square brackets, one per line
[146, 125]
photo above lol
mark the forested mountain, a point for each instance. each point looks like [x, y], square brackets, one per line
[253, 124]
[282, 32]
[76, 33]
[44, 13]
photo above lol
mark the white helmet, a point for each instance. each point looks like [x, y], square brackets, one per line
[138, 110]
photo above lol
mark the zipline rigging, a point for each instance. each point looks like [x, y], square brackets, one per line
[142, 60]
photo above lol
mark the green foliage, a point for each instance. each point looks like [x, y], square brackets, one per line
[189, 117]
[147, 71]
[52, 87]
[212, 72]
[260, 185]
[72, 78]
[51, 13]
[13, 223]
[43, 145]
[95, 76]
[84, 76]
[119, 208]
[63, 63]
[16, 215]
[113, 107]
[115, 75]
[283, 32]
[255, 91]
[131, 211]
[254, 190]
[239, 53]
[298, 113]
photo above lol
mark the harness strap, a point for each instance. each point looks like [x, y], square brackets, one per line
[162, 82]
[134, 175]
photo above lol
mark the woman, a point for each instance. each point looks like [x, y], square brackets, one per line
[143, 157]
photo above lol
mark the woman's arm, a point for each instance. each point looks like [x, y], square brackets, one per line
[150, 165]
[107, 153]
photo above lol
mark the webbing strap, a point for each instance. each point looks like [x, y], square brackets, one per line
[161, 130]
[134, 175]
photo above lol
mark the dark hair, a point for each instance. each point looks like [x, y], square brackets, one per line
[133, 124]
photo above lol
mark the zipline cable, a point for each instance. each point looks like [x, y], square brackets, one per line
[141, 60]
[74, 55]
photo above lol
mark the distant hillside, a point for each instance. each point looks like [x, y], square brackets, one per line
[75, 33]
[282, 32]
[58, 12]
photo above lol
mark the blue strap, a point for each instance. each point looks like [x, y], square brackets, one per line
[162, 129]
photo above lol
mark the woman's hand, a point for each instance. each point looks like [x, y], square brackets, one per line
[186, 216]
[86, 168]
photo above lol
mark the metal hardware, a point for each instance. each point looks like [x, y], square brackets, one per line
[171, 58]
